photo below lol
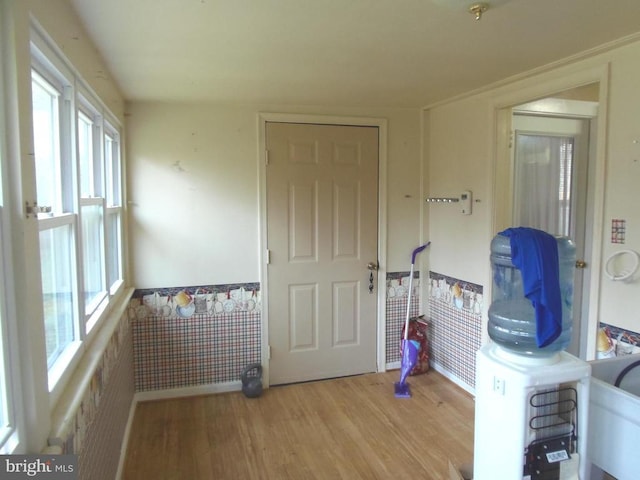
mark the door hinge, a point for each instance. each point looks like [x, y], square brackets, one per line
[268, 257]
[268, 352]
[266, 157]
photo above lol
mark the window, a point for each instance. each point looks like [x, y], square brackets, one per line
[92, 207]
[56, 265]
[86, 156]
[92, 217]
[79, 191]
[114, 207]
[46, 136]
[543, 182]
[57, 223]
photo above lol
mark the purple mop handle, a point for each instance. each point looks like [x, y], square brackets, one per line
[417, 251]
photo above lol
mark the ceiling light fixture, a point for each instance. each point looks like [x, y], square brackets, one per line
[478, 9]
[475, 7]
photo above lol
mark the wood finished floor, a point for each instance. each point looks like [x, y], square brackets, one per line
[348, 428]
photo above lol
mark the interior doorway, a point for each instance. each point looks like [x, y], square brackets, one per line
[322, 238]
[551, 165]
[346, 293]
[548, 136]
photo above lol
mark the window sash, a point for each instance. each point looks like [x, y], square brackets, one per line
[114, 248]
[85, 154]
[93, 254]
[113, 166]
[57, 267]
[46, 135]
[89, 144]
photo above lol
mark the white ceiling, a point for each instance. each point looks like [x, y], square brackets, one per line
[391, 53]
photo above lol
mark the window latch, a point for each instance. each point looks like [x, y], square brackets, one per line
[35, 209]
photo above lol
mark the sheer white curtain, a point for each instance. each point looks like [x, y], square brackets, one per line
[543, 171]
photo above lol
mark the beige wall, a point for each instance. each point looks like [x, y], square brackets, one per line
[63, 25]
[461, 154]
[619, 300]
[193, 190]
[459, 159]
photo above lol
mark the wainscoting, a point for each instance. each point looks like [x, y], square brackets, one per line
[396, 311]
[208, 340]
[213, 337]
[455, 327]
[92, 418]
[204, 349]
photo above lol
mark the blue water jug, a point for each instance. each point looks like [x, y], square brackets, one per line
[512, 322]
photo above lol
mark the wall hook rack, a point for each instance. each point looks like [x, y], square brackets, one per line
[464, 199]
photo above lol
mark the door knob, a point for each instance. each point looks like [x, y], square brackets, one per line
[373, 266]
[581, 264]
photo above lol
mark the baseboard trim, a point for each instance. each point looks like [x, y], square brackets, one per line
[125, 438]
[209, 389]
[445, 373]
[442, 371]
[393, 365]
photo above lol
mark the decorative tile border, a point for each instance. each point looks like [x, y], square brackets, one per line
[184, 302]
[458, 293]
[226, 288]
[629, 337]
[455, 325]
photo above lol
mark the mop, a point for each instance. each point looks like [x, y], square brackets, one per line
[409, 348]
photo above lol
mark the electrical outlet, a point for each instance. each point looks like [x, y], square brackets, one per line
[498, 385]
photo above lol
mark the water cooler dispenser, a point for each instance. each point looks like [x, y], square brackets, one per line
[531, 403]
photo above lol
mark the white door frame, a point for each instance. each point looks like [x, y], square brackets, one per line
[535, 88]
[381, 123]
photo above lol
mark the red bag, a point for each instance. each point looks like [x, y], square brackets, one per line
[418, 332]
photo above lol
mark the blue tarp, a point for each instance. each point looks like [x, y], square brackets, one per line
[535, 254]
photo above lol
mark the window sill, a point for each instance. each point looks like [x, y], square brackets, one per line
[64, 363]
[11, 444]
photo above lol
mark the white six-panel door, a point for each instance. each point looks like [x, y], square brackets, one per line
[322, 227]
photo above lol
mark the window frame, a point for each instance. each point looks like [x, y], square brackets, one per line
[87, 106]
[11, 434]
[80, 101]
[46, 65]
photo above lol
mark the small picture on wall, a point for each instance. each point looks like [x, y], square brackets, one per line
[618, 229]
